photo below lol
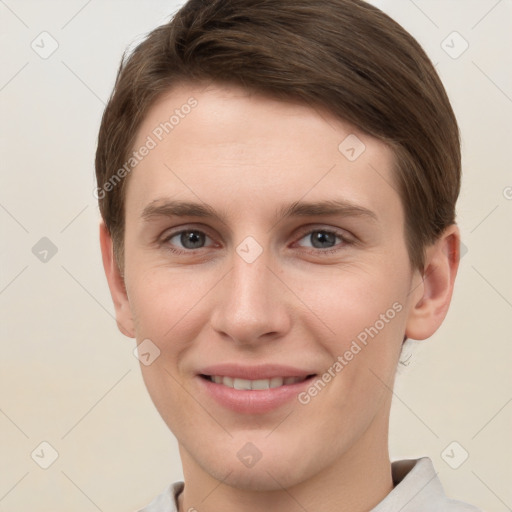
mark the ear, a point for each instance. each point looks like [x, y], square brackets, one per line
[431, 296]
[116, 284]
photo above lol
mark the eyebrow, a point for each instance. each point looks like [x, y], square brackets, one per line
[179, 208]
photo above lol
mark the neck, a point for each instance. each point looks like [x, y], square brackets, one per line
[358, 480]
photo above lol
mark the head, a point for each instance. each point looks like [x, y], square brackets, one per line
[251, 109]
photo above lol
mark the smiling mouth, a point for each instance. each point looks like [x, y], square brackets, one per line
[258, 384]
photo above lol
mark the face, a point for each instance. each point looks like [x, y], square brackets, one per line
[266, 264]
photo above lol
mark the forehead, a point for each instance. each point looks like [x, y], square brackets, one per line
[226, 145]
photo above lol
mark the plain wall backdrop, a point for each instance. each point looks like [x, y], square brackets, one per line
[69, 378]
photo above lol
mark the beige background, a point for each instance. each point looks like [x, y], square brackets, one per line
[69, 378]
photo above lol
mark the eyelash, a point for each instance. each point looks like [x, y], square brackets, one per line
[316, 251]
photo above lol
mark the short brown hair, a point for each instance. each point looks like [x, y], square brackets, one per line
[343, 55]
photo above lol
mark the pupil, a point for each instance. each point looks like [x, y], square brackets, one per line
[323, 237]
[191, 239]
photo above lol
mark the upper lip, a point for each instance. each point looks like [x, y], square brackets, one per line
[266, 371]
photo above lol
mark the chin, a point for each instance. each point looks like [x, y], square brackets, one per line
[270, 469]
[263, 478]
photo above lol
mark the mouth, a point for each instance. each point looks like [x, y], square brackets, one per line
[253, 389]
[257, 384]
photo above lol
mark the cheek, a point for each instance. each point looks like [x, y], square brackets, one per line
[168, 308]
[368, 322]
[356, 303]
[164, 301]
[364, 311]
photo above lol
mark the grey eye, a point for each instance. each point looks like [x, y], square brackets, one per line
[192, 239]
[321, 239]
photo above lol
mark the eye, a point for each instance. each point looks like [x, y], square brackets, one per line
[189, 239]
[325, 240]
[321, 241]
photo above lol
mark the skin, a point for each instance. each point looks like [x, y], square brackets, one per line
[247, 155]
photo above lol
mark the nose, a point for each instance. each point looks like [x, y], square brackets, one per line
[251, 305]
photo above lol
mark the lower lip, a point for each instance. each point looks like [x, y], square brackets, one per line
[253, 401]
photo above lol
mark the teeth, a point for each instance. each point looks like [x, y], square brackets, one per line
[245, 384]
[241, 384]
[260, 384]
[275, 382]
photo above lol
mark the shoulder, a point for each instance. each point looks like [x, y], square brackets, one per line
[459, 506]
[417, 488]
[166, 500]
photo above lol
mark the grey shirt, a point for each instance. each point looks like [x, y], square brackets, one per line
[417, 489]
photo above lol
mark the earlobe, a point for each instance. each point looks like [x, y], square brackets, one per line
[116, 284]
[433, 296]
